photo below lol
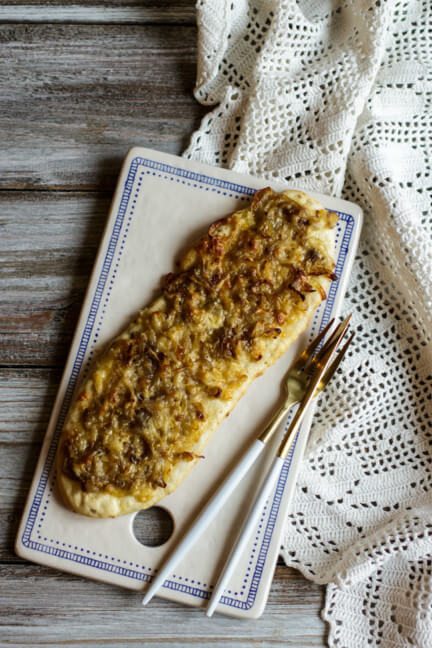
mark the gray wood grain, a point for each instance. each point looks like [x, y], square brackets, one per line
[26, 400]
[39, 606]
[75, 98]
[47, 245]
[99, 11]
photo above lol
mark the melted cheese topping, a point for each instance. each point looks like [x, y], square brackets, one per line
[240, 297]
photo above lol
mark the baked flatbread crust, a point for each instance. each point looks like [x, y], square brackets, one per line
[242, 295]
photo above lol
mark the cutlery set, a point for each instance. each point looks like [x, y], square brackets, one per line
[305, 380]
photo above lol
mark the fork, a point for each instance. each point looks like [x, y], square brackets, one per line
[297, 378]
[323, 372]
[297, 382]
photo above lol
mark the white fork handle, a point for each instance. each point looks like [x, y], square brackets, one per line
[205, 517]
[247, 528]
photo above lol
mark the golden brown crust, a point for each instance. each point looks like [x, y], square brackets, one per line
[242, 295]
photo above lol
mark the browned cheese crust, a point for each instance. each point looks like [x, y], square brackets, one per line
[241, 296]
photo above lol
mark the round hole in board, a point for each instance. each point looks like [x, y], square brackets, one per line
[153, 527]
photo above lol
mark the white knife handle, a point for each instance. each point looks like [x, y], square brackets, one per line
[247, 528]
[204, 518]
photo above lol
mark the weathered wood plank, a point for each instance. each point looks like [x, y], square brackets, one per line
[37, 604]
[75, 98]
[98, 11]
[26, 399]
[47, 245]
[17, 467]
[9, 521]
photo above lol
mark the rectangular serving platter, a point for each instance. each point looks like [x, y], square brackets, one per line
[161, 205]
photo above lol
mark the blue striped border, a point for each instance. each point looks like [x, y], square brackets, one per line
[199, 181]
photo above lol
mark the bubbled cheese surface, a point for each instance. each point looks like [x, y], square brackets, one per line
[241, 295]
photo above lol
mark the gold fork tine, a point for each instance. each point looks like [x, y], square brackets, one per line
[335, 364]
[338, 334]
[316, 378]
[321, 360]
[306, 354]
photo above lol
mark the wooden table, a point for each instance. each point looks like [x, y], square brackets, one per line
[79, 85]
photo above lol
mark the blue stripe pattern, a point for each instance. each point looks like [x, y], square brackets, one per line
[241, 600]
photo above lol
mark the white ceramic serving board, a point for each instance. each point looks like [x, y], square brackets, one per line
[162, 203]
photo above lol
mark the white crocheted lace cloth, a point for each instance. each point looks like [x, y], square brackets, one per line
[335, 96]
